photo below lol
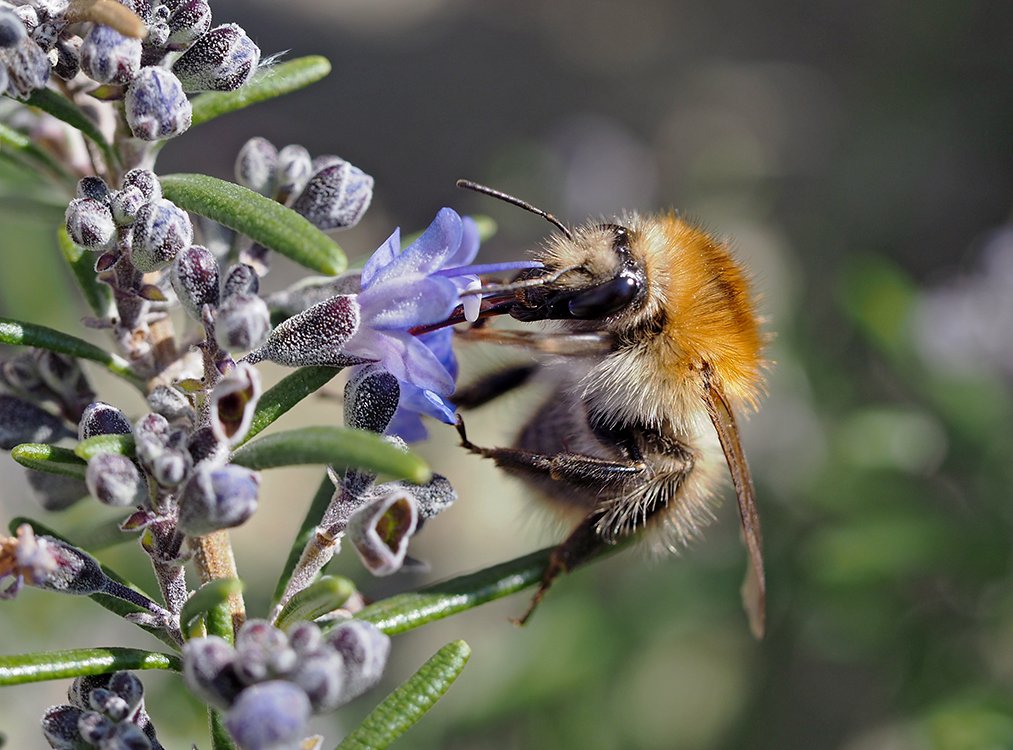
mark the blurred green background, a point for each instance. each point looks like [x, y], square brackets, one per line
[857, 155]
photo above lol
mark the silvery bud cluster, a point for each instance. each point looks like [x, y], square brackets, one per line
[104, 711]
[271, 682]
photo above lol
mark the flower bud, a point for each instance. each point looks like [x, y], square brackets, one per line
[380, 531]
[59, 727]
[223, 59]
[371, 398]
[68, 58]
[64, 378]
[188, 21]
[204, 447]
[171, 403]
[304, 637]
[209, 670]
[146, 181]
[93, 187]
[24, 422]
[27, 67]
[257, 166]
[195, 280]
[125, 204]
[12, 30]
[320, 674]
[158, 35]
[114, 480]
[109, 57]
[217, 497]
[262, 652]
[295, 167]
[55, 491]
[313, 337]
[74, 571]
[364, 649]
[233, 401]
[156, 106]
[90, 224]
[240, 279]
[162, 450]
[268, 716]
[336, 197]
[162, 230]
[99, 418]
[242, 323]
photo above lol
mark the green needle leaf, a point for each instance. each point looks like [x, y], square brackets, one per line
[318, 506]
[287, 393]
[317, 599]
[57, 665]
[400, 710]
[334, 446]
[122, 445]
[50, 459]
[269, 223]
[220, 738]
[82, 263]
[209, 596]
[62, 108]
[19, 333]
[269, 82]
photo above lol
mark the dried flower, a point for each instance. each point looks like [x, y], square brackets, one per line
[381, 529]
[232, 403]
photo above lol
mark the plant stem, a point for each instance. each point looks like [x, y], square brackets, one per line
[213, 558]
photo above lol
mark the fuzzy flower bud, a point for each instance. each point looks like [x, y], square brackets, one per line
[189, 20]
[257, 166]
[217, 498]
[263, 652]
[268, 716]
[105, 711]
[48, 563]
[109, 57]
[99, 418]
[125, 204]
[195, 280]
[242, 323]
[156, 106]
[371, 398]
[27, 67]
[209, 670]
[171, 403]
[146, 181]
[162, 450]
[162, 230]
[204, 446]
[313, 337]
[336, 197]
[295, 167]
[93, 187]
[12, 30]
[24, 422]
[364, 649]
[223, 59]
[233, 402]
[380, 531]
[90, 224]
[240, 279]
[114, 480]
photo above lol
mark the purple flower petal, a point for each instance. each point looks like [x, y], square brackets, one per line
[429, 252]
[382, 258]
[403, 356]
[405, 303]
[468, 249]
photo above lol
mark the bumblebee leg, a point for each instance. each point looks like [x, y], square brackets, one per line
[492, 386]
[564, 344]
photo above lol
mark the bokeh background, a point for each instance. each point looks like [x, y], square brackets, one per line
[857, 155]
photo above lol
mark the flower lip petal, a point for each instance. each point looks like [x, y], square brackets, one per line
[426, 254]
[400, 305]
[468, 248]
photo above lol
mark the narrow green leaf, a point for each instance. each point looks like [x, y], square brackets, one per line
[269, 223]
[314, 513]
[19, 333]
[400, 710]
[212, 594]
[58, 665]
[287, 393]
[82, 263]
[317, 599]
[335, 446]
[62, 108]
[122, 445]
[13, 141]
[270, 82]
[50, 459]
[220, 739]
[114, 605]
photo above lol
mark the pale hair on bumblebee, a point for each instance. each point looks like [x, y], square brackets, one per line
[655, 343]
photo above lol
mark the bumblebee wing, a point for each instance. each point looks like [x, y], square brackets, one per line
[754, 588]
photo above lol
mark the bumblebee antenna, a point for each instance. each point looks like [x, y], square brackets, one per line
[507, 198]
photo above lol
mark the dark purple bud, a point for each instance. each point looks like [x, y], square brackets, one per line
[94, 728]
[371, 398]
[142, 8]
[269, 716]
[46, 34]
[55, 491]
[68, 58]
[240, 279]
[223, 59]
[109, 57]
[151, 436]
[364, 649]
[189, 20]
[12, 30]
[99, 418]
[209, 670]
[114, 480]
[233, 402]
[257, 166]
[171, 467]
[313, 337]
[27, 67]
[52, 565]
[161, 450]
[336, 197]
[24, 422]
[129, 688]
[156, 106]
[126, 736]
[162, 230]
[59, 727]
[93, 187]
[305, 637]
[380, 531]
[125, 204]
[81, 688]
[64, 377]
[146, 181]
[320, 674]
[90, 224]
[295, 167]
[242, 323]
[171, 403]
[262, 652]
[204, 447]
[195, 280]
[108, 703]
[217, 497]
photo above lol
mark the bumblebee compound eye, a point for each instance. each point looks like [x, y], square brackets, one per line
[605, 299]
